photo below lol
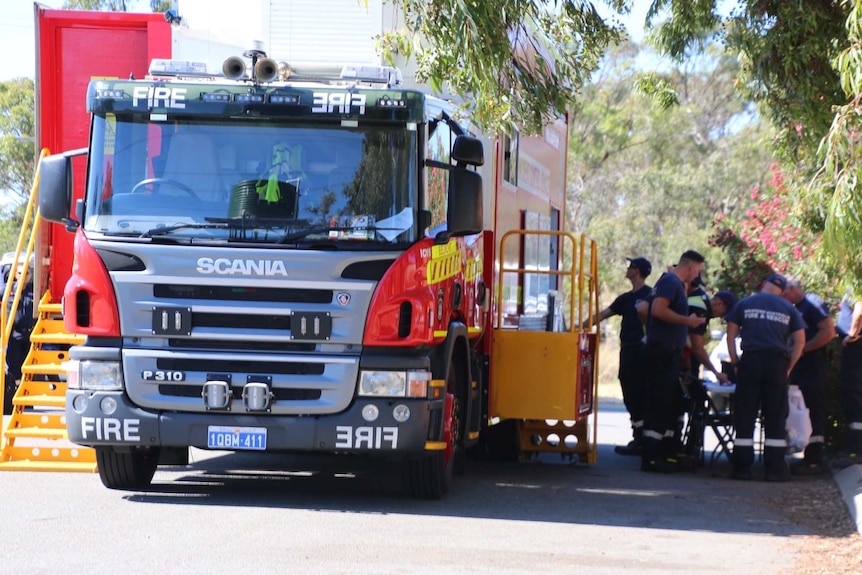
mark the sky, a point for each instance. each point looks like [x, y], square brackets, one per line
[17, 37]
[18, 40]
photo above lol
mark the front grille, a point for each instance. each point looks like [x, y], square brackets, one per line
[231, 293]
[241, 321]
[174, 390]
[241, 345]
[239, 366]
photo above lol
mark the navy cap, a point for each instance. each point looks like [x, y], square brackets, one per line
[778, 280]
[728, 298]
[642, 264]
[698, 281]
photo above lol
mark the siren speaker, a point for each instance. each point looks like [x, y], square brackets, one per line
[266, 70]
[233, 68]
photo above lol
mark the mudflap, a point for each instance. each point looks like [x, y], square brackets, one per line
[498, 442]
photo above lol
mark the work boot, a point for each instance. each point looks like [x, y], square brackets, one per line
[658, 465]
[779, 474]
[633, 448]
[741, 473]
[685, 462]
[807, 468]
[847, 460]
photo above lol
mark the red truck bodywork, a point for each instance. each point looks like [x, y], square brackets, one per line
[65, 63]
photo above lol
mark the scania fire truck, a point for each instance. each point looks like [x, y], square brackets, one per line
[271, 258]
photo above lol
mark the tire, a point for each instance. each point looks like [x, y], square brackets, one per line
[428, 476]
[132, 469]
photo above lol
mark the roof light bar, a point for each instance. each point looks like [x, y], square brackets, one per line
[373, 74]
[165, 67]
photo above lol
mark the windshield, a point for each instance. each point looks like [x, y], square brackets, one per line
[252, 181]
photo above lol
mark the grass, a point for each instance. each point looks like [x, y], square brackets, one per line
[609, 364]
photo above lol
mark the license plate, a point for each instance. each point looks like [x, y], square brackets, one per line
[225, 437]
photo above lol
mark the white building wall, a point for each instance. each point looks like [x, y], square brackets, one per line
[318, 31]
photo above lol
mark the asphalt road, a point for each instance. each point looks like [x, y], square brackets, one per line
[231, 513]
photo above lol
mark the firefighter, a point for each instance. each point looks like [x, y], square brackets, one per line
[632, 348]
[668, 320]
[765, 321]
[810, 374]
[19, 341]
[850, 379]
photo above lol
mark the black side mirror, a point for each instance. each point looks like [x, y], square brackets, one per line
[55, 188]
[468, 150]
[465, 213]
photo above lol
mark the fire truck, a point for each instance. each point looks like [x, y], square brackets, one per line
[271, 257]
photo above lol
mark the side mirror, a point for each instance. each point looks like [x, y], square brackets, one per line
[468, 150]
[55, 188]
[465, 213]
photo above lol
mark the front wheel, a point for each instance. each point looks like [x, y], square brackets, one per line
[129, 469]
[428, 476]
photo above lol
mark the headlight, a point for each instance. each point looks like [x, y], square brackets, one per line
[100, 375]
[71, 368]
[383, 383]
[394, 383]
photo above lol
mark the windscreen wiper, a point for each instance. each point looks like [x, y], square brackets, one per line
[319, 229]
[307, 232]
[192, 226]
[223, 224]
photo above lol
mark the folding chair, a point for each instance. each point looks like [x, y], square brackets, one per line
[706, 412]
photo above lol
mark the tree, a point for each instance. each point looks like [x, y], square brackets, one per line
[763, 239]
[17, 155]
[113, 5]
[801, 62]
[513, 62]
[835, 194]
[17, 147]
[643, 180]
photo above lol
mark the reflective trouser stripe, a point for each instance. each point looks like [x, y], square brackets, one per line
[670, 433]
[775, 442]
[816, 439]
[653, 434]
[638, 424]
[857, 425]
[739, 442]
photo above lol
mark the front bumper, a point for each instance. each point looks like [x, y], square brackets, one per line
[128, 425]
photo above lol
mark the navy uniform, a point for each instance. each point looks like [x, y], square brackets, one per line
[766, 322]
[631, 371]
[665, 342]
[19, 343]
[810, 374]
[850, 379]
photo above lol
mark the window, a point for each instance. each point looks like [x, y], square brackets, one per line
[436, 195]
[510, 158]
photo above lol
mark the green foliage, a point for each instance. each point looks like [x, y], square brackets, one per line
[512, 63]
[113, 5]
[801, 63]
[10, 228]
[647, 180]
[835, 192]
[101, 5]
[765, 238]
[17, 147]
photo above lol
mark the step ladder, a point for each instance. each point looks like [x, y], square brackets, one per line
[35, 438]
[571, 439]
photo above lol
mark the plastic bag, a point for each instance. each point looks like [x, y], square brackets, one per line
[798, 421]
